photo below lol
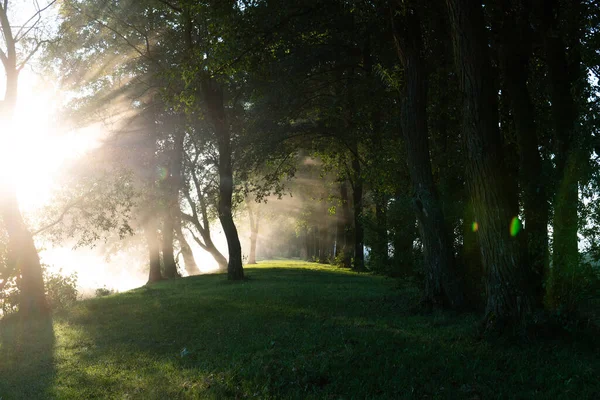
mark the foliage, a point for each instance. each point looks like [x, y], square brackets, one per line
[91, 208]
[104, 291]
[61, 291]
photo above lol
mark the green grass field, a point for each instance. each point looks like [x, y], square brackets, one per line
[293, 330]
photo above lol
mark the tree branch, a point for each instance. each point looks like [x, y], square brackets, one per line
[38, 13]
[171, 6]
[60, 218]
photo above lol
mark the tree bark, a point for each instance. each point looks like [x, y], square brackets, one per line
[213, 95]
[508, 298]
[471, 260]
[514, 53]
[442, 285]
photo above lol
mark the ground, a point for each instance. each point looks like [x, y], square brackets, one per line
[292, 330]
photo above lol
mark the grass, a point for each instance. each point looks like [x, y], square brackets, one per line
[293, 330]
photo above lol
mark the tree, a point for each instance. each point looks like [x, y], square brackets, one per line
[21, 249]
[514, 52]
[508, 299]
[441, 280]
[200, 191]
[254, 216]
[561, 32]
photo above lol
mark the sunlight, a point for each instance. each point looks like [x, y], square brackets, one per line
[34, 146]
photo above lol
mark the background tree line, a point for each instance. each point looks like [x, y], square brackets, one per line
[455, 141]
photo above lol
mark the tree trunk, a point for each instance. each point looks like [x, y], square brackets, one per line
[186, 251]
[153, 252]
[216, 254]
[379, 249]
[254, 221]
[442, 286]
[207, 244]
[508, 299]
[345, 230]
[471, 260]
[213, 95]
[563, 74]
[253, 240]
[21, 247]
[357, 204]
[403, 228]
[170, 206]
[168, 253]
[515, 51]
[23, 254]
[176, 187]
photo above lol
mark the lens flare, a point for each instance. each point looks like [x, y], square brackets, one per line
[515, 226]
[162, 173]
[474, 226]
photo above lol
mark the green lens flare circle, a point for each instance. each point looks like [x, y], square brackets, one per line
[515, 226]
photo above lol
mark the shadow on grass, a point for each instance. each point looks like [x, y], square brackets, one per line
[299, 333]
[27, 357]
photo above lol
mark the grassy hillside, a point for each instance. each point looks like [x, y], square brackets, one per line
[293, 330]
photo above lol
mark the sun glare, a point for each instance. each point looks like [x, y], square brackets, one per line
[35, 149]
[34, 145]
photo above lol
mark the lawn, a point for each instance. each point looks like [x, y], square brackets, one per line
[292, 330]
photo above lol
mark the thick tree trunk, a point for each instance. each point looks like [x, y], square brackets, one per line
[515, 51]
[563, 74]
[471, 259]
[23, 254]
[152, 242]
[508, 298]
[442, 286]
[213, 95]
